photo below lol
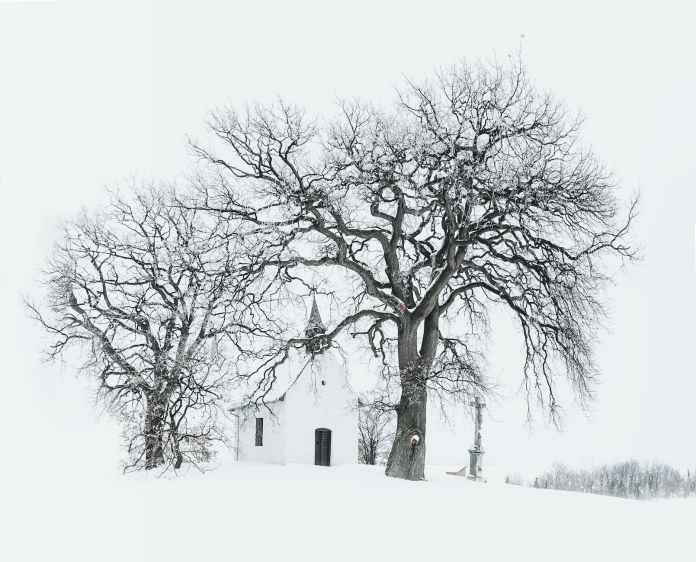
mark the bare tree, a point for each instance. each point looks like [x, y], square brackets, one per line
[154, 295]
[625, 479]
[472, 190]
[375, 432]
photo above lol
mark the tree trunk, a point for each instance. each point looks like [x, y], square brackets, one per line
[407, 455]
[179, 459]
[372, 452]
[154, 427]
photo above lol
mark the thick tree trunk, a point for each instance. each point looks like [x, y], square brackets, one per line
[153, 430]
[407, 455]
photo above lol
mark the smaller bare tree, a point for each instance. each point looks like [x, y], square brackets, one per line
[153, 296]
[375, 433]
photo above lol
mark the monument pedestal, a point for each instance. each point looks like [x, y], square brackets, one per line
[476, 452]
[475, 464]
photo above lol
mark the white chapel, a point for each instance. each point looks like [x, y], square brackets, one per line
[312, 419]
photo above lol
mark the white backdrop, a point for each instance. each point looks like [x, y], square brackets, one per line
[96, 94]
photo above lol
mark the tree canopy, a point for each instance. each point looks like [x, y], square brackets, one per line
[154, 298]
[473, 189]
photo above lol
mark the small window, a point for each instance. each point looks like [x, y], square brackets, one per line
[259, 432]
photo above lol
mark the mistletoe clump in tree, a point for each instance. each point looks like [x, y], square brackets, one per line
[152, 297]
[472, 190]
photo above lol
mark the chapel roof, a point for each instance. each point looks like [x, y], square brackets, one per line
[293, 368]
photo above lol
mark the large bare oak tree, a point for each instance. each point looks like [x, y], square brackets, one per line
[473, 189]
[154, 297]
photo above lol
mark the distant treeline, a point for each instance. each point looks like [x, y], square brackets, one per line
[625, 480]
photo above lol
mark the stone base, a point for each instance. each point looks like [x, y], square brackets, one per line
[477, 479]
[475, 463]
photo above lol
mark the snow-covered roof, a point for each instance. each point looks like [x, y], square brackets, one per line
[290, 371]
[287, 377]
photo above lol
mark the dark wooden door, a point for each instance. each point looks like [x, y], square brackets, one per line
[322, 447]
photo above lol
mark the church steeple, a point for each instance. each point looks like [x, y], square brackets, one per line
[315, 325]
[315, 330]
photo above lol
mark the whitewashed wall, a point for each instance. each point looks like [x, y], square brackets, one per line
[273, 449]
[288, 434]
[311, 405]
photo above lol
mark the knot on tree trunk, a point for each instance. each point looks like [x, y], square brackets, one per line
[414, 440]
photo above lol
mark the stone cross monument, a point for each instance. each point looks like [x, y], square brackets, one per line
[476, 452]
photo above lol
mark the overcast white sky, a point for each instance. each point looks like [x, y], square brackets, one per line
[94, 94]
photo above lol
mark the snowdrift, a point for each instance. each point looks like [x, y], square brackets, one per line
[287, 513]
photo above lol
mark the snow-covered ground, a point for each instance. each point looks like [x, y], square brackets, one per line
[287, 513]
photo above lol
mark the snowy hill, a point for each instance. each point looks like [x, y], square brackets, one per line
[287, 513]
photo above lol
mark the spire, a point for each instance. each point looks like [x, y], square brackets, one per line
[315, 325]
